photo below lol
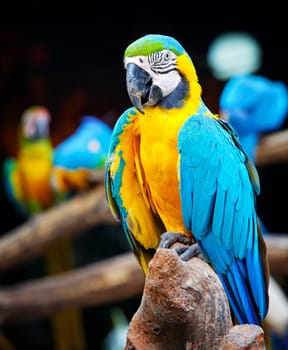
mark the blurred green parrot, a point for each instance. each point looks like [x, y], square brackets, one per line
[176, 168]
[28, 186]
[27, 177]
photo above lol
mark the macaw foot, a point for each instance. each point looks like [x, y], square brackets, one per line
[170, 238]
[185, 252]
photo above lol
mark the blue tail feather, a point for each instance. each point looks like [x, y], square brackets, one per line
[239, 294]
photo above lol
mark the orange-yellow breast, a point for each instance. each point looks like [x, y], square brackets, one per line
[159, 157]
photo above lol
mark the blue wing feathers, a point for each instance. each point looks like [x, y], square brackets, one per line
[202, 211]
[222, 217]
[233, 296]
[243, 242]
[245, 310]
[218, 219]
[228, 228]
[236, 234]
[256, 277]
[239, 293]
[244, 298]
[187, 201]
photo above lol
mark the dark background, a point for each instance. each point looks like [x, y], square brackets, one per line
[70, 60]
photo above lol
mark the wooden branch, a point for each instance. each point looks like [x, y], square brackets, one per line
[272, 148]
[111, 280]
[184, 306]
[96, 177]
[94, 285]
[69, 219]
[277, 249]
[80, 214]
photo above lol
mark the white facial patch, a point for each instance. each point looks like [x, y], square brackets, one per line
[161, 66]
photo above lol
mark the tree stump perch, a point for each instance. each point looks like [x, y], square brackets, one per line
[244, 337]
[184, 306]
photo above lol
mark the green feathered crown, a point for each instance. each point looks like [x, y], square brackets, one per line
[151, 43]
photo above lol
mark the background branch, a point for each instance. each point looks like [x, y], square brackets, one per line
[111, 280]
[107, 281]
[68, 219]
[277, 249]
[272, 148]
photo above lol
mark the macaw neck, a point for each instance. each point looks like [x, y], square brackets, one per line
[203, 109]
[187, 95]
[24, 142]
[164, 124]
[37, 148]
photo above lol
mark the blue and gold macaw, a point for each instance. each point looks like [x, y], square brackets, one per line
[79, 156]
[175, 167]
[27, 181]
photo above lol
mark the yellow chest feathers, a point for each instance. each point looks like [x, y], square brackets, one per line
[159, 158]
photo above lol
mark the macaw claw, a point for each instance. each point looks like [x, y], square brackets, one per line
[185, 250]
[170, 238]
[186, 253]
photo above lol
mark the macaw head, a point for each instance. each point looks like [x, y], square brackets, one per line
[35, 122]
[159, 72]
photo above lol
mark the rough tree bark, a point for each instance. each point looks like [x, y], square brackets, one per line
[184, 306]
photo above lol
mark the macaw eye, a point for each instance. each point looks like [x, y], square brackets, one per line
[166, 56]
[160, 57]
[162, 61]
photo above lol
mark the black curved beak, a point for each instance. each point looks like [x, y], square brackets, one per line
[138, 83]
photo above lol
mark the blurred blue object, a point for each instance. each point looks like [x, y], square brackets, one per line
[79, 155]
[253, 105]
[86, 147]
